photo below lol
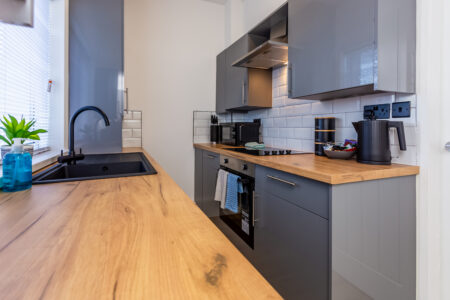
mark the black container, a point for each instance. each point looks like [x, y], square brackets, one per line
[327, 123]
[325, 133]
[216, 133]
[327, 136]
[319, 149]
[373, 141]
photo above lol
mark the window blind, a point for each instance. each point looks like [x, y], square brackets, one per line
[25, 71]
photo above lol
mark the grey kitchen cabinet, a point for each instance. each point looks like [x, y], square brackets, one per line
[96, 64]
[313, 240]
[242, 89]
[19, 12]
[373, 239]
[221, 73]
[350, 47]
[206, 167]
[198, 178]
[211, 166]
[348, 241]
[291, 239]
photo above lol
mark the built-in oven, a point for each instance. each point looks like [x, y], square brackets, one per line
[241, 222]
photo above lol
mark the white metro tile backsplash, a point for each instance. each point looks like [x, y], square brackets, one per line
[290, 123]
[132, 129]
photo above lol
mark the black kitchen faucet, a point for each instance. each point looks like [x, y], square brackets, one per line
[73, 157]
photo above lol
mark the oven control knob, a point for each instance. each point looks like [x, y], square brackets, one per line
[225, 160]
[244, 167]
[274, 152]
[288, 151]
[266, 152]
[281, 152]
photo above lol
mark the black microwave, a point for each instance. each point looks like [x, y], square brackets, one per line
[239, 133]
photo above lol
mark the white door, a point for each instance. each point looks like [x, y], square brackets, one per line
[433, 107]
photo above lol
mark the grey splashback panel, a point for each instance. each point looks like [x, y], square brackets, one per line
[96, 72]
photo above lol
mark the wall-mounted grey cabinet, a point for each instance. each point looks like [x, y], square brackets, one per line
[96, 72]
[242, 89]
[221, 80]
[19, 12]
[351, 47]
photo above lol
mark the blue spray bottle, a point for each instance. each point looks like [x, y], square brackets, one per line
[17, 168]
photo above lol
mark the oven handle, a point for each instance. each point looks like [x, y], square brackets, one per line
[240, 133]
[281, 180]
[253, 210]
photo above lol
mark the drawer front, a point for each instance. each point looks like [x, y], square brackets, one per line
[211, 158]
[306, 193]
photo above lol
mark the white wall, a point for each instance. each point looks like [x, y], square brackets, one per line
[234, 20]
[170, 71]
[257, 10]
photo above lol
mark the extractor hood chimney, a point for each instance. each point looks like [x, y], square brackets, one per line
[271, 53]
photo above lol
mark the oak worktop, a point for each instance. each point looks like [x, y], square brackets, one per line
[331, 171]
[120, 238]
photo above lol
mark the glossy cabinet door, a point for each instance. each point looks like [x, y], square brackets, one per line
[211, 166]
[332, 45]
[96, 72]
[17, 12]
[237, 78]
[198, 178]
[221, 74]
[374, 239]
[292, 234]
[291, 248]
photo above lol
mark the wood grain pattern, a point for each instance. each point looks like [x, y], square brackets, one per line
[123, 238]
[319, 168]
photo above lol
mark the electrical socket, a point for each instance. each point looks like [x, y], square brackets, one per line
[401, 109]
[381, 111]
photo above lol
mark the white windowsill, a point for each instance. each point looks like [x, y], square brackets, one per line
[42, 160]
[45, 159]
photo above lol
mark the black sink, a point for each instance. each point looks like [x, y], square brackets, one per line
[98, 166]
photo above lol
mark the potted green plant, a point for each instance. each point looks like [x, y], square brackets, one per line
[15, 129]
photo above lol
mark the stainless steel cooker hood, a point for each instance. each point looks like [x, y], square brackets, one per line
[268, 55]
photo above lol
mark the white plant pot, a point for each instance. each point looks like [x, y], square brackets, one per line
[6, 149]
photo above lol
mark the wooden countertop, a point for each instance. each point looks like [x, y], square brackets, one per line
[319, 168]
[122, 238]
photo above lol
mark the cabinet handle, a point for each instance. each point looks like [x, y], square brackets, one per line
[211, 156]
[290, 80]
[281, 180]
[243, 92]
[126, 99]
[253, 209]
[447, 146]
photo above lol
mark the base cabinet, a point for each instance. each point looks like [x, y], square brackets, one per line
[206, 168]
[291, 242]
[291, 248]
[210, 168]
[318, 241]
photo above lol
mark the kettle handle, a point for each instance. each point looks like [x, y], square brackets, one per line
[400, 133]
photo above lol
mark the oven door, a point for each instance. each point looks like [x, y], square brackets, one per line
[228, 134]
[242, 221]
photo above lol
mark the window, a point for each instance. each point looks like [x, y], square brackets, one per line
[25, 70]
